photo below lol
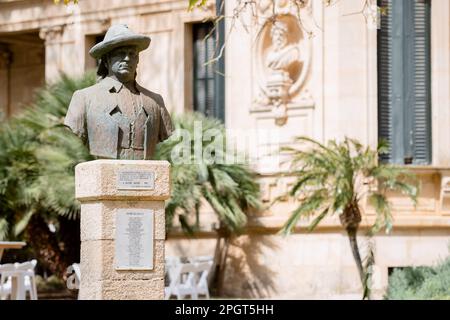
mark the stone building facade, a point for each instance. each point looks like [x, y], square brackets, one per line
[319, 76]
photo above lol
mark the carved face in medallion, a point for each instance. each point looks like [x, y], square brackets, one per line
[282, 54]
[279, 35]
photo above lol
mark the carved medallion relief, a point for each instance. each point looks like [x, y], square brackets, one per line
[282, 55]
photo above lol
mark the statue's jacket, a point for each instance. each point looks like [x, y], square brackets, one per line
[91, 117]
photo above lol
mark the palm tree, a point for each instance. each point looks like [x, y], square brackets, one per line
[334, 178]
[37, 160]
[230, 189]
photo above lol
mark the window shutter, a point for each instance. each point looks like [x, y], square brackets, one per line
[421, 89]
[210, 90]
[404, 99]
[209, 84]
[219, 65]
[200, 69]
[390, 83]
[385, 96]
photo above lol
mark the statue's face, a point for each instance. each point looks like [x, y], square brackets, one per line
[279, 38]
[122, 62]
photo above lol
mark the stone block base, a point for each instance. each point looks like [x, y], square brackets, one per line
[101, 199]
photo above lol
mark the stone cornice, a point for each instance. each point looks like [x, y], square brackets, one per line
[55, 15]
[52, 34]
[10, 1]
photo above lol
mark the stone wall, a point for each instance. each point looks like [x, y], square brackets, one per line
[314, 266]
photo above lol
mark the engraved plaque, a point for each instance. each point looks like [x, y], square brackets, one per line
[134, 239]
[135, 180]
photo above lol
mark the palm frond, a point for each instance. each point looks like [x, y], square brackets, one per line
[383, 210]
[305, 209]
[230, 189]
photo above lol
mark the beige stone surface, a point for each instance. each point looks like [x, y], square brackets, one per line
[123, 290]
[100, 201]
[97, 263]
[97, 180]
[98, 218]
[315, 265]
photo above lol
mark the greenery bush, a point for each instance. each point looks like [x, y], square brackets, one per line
[420, 283]
[37, 160]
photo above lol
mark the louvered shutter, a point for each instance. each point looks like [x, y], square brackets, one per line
[385, 68]
[219, 66]
[391, 120]
[421, 86]
[208, 92]
[404, 100]
[209, 80]
[200, 69]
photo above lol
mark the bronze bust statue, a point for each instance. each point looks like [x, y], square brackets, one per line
[117, 118]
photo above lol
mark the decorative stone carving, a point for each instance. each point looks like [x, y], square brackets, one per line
[272, 189]
[105, 24]
[282, 61]
[280, 6]
[266, 188]
[371, 12]
[51, 34]
[445, 192]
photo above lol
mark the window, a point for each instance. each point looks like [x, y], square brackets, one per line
[404, 91]
[208, 82]
[90, 41]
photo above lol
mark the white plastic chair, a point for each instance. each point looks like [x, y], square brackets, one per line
[189, 279]
[6, 270]
[203, 269]
[74, 276]
[171, 263]
[24, 274]
[182, 281]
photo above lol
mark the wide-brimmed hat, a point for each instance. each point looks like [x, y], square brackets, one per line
[119, 35]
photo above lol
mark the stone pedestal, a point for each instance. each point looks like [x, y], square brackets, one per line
[106, 189]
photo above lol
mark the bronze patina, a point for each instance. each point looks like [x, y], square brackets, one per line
[116, 117]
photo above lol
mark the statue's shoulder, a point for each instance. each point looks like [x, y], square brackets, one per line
[152, 95]
[88, 91]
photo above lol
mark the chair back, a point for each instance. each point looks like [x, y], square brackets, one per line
[6, 270]
[7, 267]
[25, 268]
[24, 273]
[186, 273]
[182, 280]
[74, 276]
[203, 270]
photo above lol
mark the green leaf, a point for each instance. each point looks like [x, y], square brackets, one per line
[318, 219]
[196, 3]
[20, 226]
[4, 227]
